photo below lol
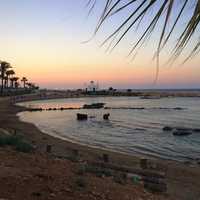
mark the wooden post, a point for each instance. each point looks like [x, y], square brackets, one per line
[143, 163]
[75, 152]
[48, 148]
[105, 158]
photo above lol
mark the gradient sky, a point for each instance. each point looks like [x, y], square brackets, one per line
[42, 39]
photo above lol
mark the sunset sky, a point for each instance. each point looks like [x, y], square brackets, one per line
[43, 40]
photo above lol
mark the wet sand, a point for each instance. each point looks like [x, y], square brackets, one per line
[183, 180]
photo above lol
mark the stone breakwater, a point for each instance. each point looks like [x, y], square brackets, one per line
[105, 108]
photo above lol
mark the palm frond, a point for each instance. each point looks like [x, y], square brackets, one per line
[168, 18]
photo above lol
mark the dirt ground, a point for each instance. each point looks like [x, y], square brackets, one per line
[37, 176]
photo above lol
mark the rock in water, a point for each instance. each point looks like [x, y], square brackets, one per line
[167, 128]
[93, 106]
[182, 133]
[82, 116]
[106, 116]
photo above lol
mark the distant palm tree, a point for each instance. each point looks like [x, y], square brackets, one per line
[12, 80]
[29, 85]
[32, 86]
[161, 17]
[15, 83]
[3, 68]
[8, 74]
[24, 80]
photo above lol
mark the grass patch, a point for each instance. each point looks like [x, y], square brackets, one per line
[98, 171]
[120, 178]
[17, 142]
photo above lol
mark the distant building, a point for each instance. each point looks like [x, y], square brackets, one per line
[92, 86]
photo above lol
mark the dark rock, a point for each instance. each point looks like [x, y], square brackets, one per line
[48, 148]
[196, 130]
[105, 158]
[82, 116]
[106, 116]
[167, 128]
[178, 108]
[35, 109]
[93, 106]
[182, 132]
[183, 129]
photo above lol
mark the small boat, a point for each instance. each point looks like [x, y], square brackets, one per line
[82, 116]
[93, 106]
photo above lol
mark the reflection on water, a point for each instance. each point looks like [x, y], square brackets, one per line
[130, 131]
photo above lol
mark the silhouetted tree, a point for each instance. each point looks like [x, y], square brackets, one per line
[15, 82]
[110, 88]
[3, 68]
[8, 74]
[24, 80]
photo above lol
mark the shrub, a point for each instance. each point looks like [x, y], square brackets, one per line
[98, 171]
[2, 141]
[120, 178]
[12, 140]
[17, 142]
[24, 147]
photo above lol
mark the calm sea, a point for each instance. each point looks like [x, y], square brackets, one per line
[128, 130]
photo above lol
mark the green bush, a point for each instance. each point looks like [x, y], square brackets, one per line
[98, 171]
[17, 142]
[12, 140]
[24, 147]
[2, 141]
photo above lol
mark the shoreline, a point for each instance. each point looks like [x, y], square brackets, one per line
[179, 176]
[136, 155]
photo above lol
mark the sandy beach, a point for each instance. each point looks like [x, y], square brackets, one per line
[182, 179]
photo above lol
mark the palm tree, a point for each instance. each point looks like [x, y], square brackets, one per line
[15, 83]
[3, 67]
[12, 80]
[165, 18]
[29, 85]
[8, 74]
[24, 80]
[32, 86]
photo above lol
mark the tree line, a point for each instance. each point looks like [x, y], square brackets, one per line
[9, 80]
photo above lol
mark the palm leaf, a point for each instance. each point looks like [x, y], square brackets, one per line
[167, 17]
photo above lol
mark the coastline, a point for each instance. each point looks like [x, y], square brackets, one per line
[179, 176]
